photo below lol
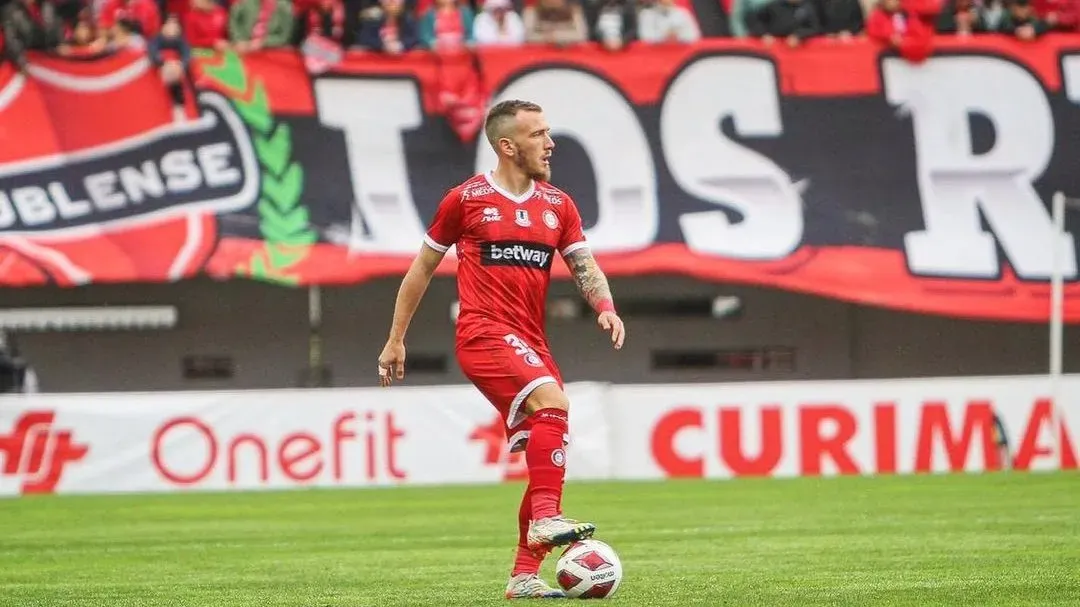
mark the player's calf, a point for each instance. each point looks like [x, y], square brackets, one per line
[546, 458]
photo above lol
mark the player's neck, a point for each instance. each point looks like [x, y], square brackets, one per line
[511, 180]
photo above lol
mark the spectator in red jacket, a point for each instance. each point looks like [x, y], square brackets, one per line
[324, 35]
[900, 28]
[326, 18]
[1060, 15]
[447, 27]
[143, 14]
[206, 25]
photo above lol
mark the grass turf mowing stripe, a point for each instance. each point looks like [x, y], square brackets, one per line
[993, 539]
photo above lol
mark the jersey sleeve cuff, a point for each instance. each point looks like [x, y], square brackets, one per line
[568, 249]
[429, 241]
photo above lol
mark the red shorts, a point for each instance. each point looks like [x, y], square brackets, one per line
[506, 369]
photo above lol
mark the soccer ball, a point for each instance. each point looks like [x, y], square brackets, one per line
[589, 569]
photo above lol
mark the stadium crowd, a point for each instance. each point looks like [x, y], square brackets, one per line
[88, 27]
[169, 30]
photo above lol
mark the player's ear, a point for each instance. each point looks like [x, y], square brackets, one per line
[506, 146]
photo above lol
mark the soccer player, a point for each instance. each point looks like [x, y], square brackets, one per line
[507, 225]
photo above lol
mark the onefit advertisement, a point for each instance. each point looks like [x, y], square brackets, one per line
[151, 442]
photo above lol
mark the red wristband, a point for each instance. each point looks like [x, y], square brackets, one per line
[605, 305]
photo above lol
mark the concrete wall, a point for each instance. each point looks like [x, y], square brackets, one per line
[264, 329]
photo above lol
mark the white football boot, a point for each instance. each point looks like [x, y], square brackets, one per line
[557, 531]
[531, 586]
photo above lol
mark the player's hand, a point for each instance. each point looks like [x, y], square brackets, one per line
[610, 321]
[392, 363]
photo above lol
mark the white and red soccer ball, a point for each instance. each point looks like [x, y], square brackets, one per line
[589, 569]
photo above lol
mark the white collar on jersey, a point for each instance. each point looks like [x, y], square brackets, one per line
[518, 199]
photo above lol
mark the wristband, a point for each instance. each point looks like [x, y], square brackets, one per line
[605, 305]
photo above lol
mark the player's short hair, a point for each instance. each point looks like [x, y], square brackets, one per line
[502, 115]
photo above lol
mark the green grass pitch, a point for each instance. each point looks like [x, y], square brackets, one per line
[994, 539]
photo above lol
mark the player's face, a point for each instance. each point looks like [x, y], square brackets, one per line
[533, 145]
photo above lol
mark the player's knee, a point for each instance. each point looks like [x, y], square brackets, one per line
[547, 396]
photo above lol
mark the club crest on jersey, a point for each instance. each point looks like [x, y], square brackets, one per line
[491, 214]
[521, 217]
[550, 220]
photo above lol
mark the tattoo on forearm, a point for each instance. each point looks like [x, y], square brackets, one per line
[590, 280]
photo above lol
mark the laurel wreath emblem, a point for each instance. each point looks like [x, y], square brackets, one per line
[283, 220]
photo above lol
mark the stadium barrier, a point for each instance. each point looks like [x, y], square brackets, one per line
[245, 440]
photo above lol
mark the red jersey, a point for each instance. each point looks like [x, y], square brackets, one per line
[204, 28]
[449, 30]
[145, 12]
[505, 247]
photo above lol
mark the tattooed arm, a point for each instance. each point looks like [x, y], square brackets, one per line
[590, 279]
[593, 286]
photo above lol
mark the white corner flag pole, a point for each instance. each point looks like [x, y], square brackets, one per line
[1057, 303]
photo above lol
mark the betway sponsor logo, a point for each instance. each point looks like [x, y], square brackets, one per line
[204, 165]
[513, 253]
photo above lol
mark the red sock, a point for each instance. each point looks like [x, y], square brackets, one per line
[546, 460]
[526, 561]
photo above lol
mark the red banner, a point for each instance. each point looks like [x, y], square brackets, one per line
[833, 169]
